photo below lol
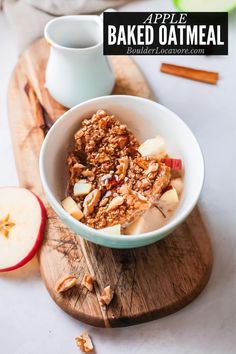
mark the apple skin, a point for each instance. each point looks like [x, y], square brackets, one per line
[39, 238]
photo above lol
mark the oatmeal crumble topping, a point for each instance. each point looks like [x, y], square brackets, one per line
[123, 183]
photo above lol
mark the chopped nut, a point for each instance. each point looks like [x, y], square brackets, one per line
[130, 199]
[84, 343]
[141, 197]
[122, 141]
[90, 201]
[103, 123]
[124, 189]
[88, 282]
[122, 167]
[153, 167]
[144, 183]
[111, 181]
[117, 201]
[100, 113]
[107, 176]
[103, 202]
[79, 134]
[76, 169]
[132, 151]
[88, 173]
[65, 283]
[100, 158]
[107, 296]
[142, 162]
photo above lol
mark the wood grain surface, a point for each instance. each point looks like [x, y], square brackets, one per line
[149, 282]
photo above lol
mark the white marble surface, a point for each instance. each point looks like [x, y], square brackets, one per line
[30, 323]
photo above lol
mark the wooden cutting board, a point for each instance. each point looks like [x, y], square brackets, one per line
[149, 282]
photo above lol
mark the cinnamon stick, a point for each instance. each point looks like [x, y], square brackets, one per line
[209, 77]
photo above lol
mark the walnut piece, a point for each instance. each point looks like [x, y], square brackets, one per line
[106, 296]
[124, 189]
[90, 201]
[115, 202]
[65, 283]
[153, 167]
[122, 167]
[103, 202]
[88, 173]
[84, 343]
[88, 282]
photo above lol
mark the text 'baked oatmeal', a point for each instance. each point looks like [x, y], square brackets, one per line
[116, 184]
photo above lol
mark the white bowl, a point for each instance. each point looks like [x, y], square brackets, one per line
[146, 119]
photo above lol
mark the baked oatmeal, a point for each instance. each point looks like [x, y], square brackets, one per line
[111, 179]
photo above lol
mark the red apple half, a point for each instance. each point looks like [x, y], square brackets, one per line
[22, 224]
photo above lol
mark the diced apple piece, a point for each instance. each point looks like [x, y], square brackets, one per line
[112, 230]
[177, 184]
[77, 213]
[151, 220]
[82, 187]
[174, 164]
[170, 197]
[72, 208]
[136, 227]
[68, 203]
[153, 147]
[22, 224]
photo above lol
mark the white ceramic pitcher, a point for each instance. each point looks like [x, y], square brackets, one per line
[77, 70]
